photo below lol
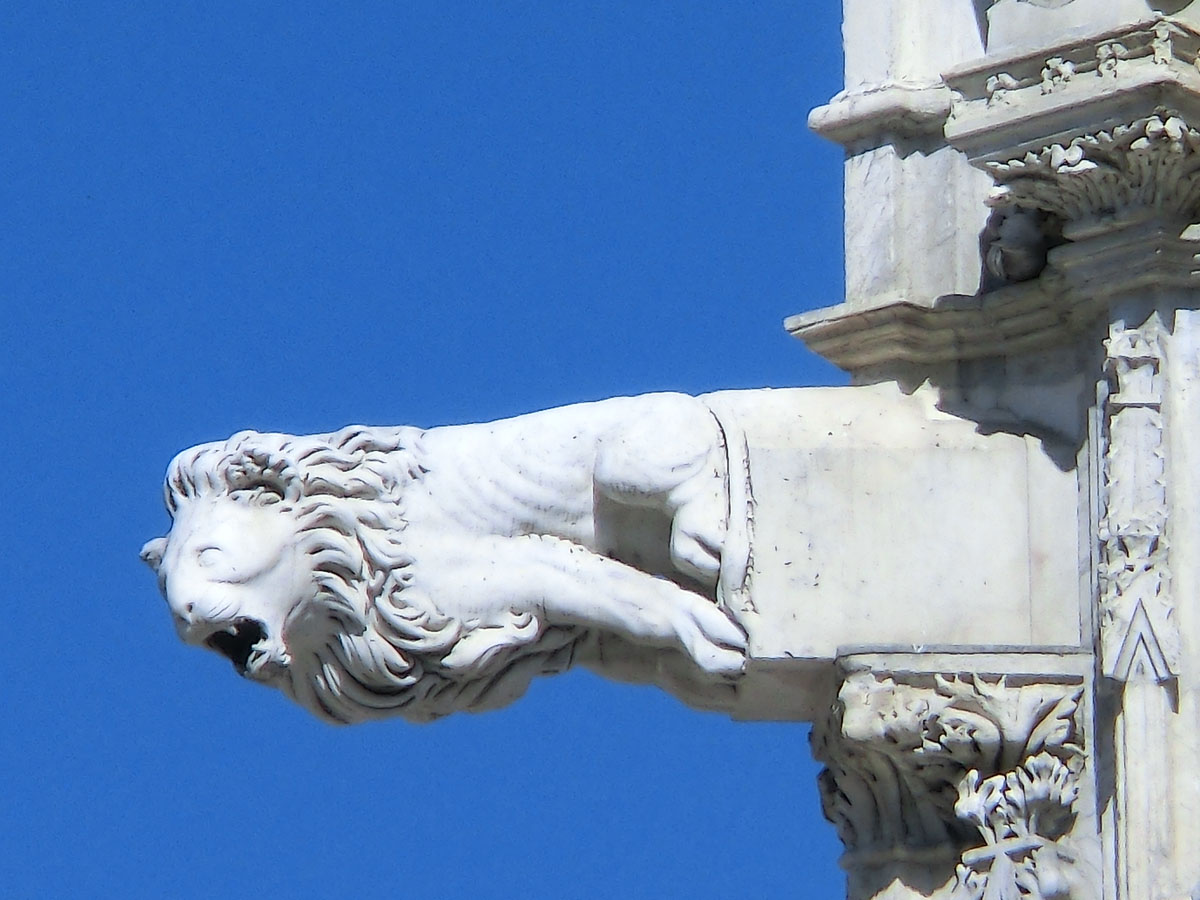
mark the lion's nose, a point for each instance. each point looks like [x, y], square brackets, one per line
[194, 606]
[183, 610]
[185, 617]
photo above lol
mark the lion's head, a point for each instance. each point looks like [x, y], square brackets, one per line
[286, 554]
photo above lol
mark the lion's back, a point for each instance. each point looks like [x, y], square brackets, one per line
[534, 473]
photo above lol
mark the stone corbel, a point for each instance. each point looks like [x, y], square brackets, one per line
[895, 109]
[949, 785]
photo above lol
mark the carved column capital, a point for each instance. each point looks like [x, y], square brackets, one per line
[953, 785]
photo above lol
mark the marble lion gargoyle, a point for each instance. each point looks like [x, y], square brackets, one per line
[380, 571]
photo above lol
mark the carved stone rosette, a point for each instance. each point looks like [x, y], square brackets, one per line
[956, 786]
[1138, 633]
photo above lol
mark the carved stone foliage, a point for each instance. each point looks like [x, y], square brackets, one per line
[1152, 163]
[976, 777]
[1023, 816]
[1087, 165]
[1138, 633]
[1057, 72]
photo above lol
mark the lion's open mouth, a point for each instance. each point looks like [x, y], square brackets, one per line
[237, 641]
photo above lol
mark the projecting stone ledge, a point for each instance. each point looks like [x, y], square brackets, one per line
[882, 521]
[1102, 260]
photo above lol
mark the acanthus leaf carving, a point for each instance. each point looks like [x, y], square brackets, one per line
[977, 777]
[1023, 816]
[1150, 163]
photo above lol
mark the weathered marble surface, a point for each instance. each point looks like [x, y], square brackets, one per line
[1037, 177]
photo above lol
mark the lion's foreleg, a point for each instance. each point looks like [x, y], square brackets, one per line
[672, 457]
[566, 584]
[698, 533]
[586, 589]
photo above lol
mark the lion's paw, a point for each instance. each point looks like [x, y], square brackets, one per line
[720, 660]
[712, 639]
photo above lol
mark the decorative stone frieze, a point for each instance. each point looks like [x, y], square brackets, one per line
[959, 785]
[1087, 83]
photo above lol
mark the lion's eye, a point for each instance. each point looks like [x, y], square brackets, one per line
[259, 493]
[207, 556]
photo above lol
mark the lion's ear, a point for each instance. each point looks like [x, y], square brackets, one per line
[152, 553]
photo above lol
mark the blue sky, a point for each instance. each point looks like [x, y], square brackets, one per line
[224, 216]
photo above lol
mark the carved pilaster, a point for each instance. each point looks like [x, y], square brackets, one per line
[1138, 633]
[958, 786]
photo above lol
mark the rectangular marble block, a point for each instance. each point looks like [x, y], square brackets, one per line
[882, 522]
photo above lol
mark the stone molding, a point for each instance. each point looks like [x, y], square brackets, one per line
[1036, 99]
[1097, 137]
[1023, 317]
[972, 780]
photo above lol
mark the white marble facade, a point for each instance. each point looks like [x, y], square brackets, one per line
[1044, 287]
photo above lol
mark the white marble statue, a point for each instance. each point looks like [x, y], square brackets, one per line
[379, 571]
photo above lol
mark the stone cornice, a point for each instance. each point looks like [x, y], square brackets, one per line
[1076, 287]
[958, 327]
[1009, 106]
[1098, 138]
